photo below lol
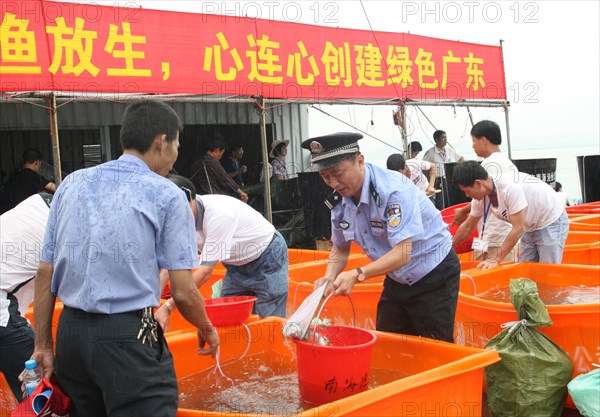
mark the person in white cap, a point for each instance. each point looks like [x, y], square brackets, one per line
[400, 231]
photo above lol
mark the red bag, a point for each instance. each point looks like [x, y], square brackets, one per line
[47, 399]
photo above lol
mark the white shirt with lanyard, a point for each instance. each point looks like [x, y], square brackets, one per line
[479, 243]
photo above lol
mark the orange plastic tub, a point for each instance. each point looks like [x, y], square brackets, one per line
[582, 254]
[581, 248]
[362, 302]
[588, 208]
[438, 378]
[358, 258]
[298, 256]
[468, 265]
[8, 402]
[58, 308]
[339, 310]
[586, 222]
[206, 288]
[295, 256]
[576, 327]
[579, 237]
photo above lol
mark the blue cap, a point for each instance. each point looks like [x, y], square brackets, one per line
[30, 364]
[329, 150]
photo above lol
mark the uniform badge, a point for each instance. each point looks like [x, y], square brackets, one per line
[392, 209]
[377, 224]
[316, 147]
[344, 224]
[394, 221]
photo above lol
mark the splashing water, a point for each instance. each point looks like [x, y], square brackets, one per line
[265, 384]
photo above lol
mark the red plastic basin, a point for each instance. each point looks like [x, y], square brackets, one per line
[465, 246]
[227, 311]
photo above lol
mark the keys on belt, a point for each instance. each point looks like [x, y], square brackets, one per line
[148, 327]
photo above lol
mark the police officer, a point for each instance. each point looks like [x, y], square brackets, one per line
[400, 231]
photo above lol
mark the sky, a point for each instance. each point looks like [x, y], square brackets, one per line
[551, 55]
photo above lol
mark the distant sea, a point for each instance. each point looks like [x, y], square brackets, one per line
[566, 164]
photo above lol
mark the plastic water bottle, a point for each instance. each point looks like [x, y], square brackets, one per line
[32, 376]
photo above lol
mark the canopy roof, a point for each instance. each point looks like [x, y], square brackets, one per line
[88, 49]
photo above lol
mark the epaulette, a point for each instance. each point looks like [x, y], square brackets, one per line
[333, 200]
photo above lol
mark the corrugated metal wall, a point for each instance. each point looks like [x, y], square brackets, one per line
[290, 120]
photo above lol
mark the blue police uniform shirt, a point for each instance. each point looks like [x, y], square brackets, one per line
[403, 212]
[110, 229]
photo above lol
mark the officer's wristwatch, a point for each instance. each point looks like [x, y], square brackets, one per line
[361, 275]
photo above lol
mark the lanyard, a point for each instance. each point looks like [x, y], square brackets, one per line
[487, 209]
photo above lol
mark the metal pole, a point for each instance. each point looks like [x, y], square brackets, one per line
[265, 157]
[423, 113]
[403, 124]
[470, 116]
[55, 142]
[507, 104]
[507, 131]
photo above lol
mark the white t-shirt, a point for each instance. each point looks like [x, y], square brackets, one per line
[22, 236]
[435, 155]
[498, 166]
[540, 201]
[416, 168]
[563, 197]
[232, 231]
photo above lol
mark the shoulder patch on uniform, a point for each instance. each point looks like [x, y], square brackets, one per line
[376, 224]
[394, 221]
[392, 209]
[344, 224]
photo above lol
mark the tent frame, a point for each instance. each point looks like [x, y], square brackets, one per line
[53, 100]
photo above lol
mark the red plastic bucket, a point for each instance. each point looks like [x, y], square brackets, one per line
[448, 218]
[329, 373]
[227, 311]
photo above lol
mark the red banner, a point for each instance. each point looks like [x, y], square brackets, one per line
[98, 49]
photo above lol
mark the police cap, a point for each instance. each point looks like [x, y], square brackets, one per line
[327, 151]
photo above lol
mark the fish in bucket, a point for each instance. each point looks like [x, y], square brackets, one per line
[334, 362]
[299, 323]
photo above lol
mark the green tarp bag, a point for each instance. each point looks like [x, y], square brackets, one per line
[585, 392]
[531, 379]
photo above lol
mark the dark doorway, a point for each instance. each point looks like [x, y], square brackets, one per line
[79, 148]
[193, 140]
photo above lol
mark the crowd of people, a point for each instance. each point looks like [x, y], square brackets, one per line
[89, 239]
